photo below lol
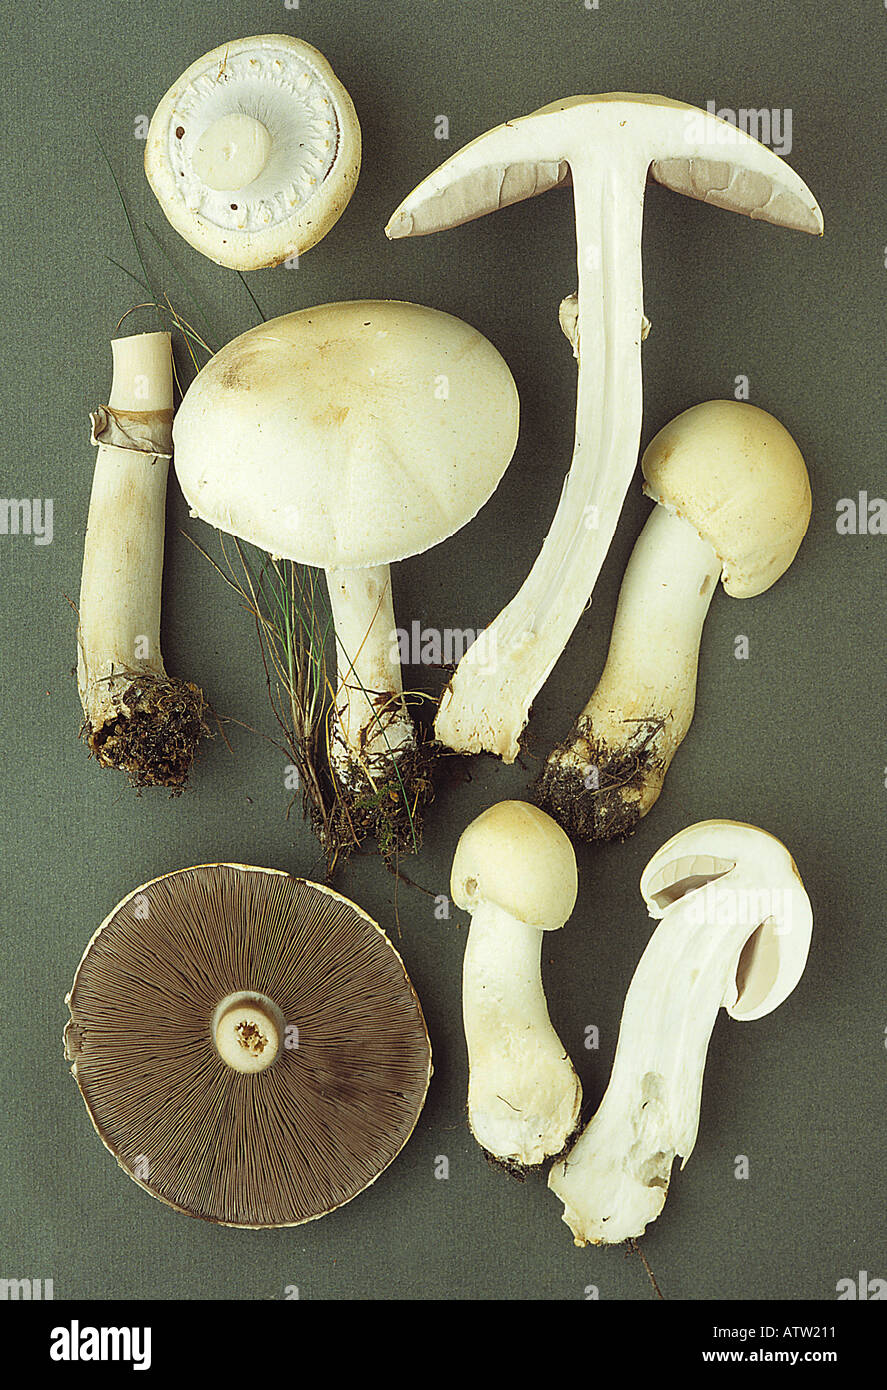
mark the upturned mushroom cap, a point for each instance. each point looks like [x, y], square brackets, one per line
[254, 152]
[248, 1044]
[349, 434]
[515, 856]
[778, 911]
[736, 475]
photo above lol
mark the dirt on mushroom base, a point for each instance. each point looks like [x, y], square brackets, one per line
[387, 811]
[626, 781]
[521, 1171]
[154, 736]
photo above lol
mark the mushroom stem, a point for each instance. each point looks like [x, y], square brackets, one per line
[232, 152]
[136, 717]
[248, 1031]
[615, 1178]
[486, 705]
[609, 772]
[372, 726]
[523, 1094]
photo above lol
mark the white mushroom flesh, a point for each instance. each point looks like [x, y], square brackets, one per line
[606, 146]
[615, 1179]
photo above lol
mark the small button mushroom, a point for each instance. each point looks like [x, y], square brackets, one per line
[734, 926]
[254, 153]
[514, 870]
[346, 437]
[733, 500]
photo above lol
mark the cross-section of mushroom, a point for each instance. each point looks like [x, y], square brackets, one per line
[514, 870]
[607, 147]
[734, 926]
[248, 1044]
[254, 153]
[733, 503]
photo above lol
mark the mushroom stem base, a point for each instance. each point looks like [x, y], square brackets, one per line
[387, 807]
[600, 792]
[149, 728]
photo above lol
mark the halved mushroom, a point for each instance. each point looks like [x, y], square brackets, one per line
[734, 932]
[346, 437]
[734, 504]
[254, 152]
[248, 1044]
[514, 870]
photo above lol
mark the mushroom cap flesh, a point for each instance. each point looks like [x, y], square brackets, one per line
[778, 910]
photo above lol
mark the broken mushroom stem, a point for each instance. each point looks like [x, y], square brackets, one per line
[734, 932]
[248, 1030]
[372, 726]
[734, 502]
[514, 870]
[137, 718]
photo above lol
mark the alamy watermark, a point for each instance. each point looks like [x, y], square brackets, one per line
[26, 1290]
[27, 516]
[726, 905]
[861, 516]
[431, 646]
[771, 125]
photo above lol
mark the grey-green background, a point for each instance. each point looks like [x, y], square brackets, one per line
[792, 739]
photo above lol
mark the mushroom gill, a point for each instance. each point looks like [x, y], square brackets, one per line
[191, 965]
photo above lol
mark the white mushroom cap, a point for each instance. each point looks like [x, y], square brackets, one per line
[254, 152]
[736, 475]
[349, 434]
[519, 859]
[778, 910]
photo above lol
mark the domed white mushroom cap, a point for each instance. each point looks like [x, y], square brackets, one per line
[736, 475]
[516, 857]
[347, 435]
[771, 899]
[254, 153]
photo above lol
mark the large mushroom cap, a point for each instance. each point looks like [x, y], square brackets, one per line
[248, 1044]
[254, 152]
[772, 901]
[349, 434]
[736, 475]
[515, 856]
